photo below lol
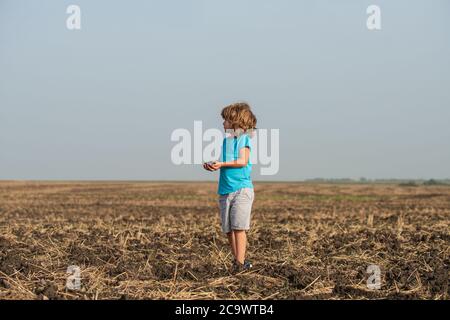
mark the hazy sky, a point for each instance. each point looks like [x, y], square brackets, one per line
[102, 102]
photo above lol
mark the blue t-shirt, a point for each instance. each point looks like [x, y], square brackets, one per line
[232, 179]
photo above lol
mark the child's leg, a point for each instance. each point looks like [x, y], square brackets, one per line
[232, 242]
[240, 238]
[240, 220]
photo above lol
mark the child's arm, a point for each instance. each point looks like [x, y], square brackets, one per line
[244, 155]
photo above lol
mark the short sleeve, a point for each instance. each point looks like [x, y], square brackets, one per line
[244, 141]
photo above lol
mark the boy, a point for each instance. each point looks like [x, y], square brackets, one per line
[235, 189]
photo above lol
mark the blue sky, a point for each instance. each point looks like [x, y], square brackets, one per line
[101, 102]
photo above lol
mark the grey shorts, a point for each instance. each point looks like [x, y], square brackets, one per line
[235, 209]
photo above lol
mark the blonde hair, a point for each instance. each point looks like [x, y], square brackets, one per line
[240, 116]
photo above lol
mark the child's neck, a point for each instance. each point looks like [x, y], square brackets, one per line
[236, 132]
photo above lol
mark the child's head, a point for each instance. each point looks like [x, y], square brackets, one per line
[238, 116]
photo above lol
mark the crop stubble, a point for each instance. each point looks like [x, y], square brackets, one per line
[146, 240]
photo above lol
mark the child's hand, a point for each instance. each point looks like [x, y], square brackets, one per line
[212, 165]
[206, 166]
[215, 165]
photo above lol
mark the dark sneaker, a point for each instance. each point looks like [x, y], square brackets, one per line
[247, 265]
[239, 267]
[235, 267]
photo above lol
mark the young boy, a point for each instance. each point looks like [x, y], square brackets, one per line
[235, 185]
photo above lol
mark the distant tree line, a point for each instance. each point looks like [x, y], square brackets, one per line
[401, 182]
